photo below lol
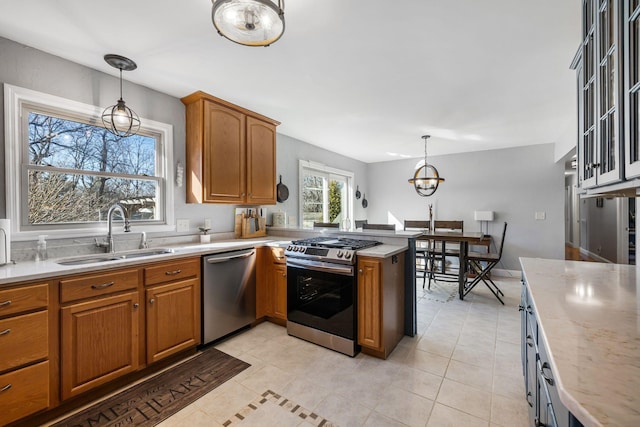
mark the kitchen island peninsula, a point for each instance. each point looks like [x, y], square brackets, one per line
[581, 342]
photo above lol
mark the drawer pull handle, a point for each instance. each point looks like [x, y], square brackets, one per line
[5, 388]
[5, 303]
[5, 332]
[548, 379]
[172, 273]
[102, 286]
[528, 401]
[529, 340]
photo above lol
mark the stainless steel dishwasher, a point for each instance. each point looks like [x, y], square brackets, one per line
[228, 293]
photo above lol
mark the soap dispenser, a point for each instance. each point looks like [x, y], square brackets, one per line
[41, 248]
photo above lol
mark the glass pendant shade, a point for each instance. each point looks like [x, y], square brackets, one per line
[426, 178]
[249, 22]
[119, 119]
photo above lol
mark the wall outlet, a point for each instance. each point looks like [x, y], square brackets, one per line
[292, 220]
[182, 225]
[540, 216]
[207, 223]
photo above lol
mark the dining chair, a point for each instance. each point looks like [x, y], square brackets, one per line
[368, 226]
[325, 225]
[481, 264]
[440, 254]
[360, 223]
[422, 247]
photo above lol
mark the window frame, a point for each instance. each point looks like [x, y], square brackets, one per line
[322, 169]
[18, 102]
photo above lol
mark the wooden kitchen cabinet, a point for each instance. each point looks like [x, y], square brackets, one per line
[26, 326]
[380, 304]
[231, 153]
[271, 290]
[100, 336]
[172, 307]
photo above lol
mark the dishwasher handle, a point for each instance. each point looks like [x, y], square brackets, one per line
[228, 256]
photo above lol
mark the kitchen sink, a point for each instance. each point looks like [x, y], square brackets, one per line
[97, 258]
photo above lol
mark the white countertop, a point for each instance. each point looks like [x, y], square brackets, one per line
[32, 270]
[589, 318]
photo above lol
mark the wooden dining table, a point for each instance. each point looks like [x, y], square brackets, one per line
[464, 239]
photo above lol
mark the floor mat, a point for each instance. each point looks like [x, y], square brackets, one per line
[157, 398]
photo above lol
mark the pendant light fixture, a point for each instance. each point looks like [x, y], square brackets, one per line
[119, 119]
[426, 179]
[249, 22]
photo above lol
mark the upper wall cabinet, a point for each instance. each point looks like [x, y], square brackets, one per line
[230, 153]
[608, 146]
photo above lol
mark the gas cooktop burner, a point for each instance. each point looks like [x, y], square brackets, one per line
[336, 242]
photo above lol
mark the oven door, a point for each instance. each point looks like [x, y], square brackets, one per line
[321, 297]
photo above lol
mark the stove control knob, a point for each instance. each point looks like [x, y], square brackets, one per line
[339, 254]
[347, 255]
[289, 247]
[297, 248]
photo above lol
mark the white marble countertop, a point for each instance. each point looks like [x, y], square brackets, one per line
[589, 318]
[32, 270]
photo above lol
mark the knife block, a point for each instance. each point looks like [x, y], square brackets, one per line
[245, 228]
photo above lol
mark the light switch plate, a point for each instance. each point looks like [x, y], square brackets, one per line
[182, 225]
[207, 223]
[541, 216]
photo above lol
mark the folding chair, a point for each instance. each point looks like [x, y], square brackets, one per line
[325, 225]
[421, 250]
[440, 251]
[360, 223]
[378, 226]
[481, 264]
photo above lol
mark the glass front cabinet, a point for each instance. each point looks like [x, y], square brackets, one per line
[608, 86]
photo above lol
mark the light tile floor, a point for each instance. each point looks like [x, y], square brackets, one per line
[461, 369]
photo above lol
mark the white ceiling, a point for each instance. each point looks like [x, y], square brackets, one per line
[365, 79]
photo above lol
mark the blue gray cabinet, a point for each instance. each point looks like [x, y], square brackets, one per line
[545, 407]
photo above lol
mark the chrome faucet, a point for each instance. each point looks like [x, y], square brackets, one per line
[127, 228]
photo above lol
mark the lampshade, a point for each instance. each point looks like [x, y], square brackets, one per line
[426, 178]
[249, 22]
[483, 215]
[119, 119]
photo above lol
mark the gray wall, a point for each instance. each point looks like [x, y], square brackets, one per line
[514, 183]
[33, 69]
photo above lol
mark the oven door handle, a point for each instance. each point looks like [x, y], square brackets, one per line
[346, 270]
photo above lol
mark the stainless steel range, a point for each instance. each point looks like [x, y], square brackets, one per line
[322, 291]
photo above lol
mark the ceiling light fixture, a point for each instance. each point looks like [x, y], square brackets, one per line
[119, 119]
[249, 22]
[426, 179]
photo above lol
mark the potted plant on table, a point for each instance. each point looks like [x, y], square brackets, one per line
[205, 237]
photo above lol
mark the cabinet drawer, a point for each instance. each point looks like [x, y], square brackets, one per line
[23, 299]
[170, 271]
[24, 339]
[24, 392]
[98, 284]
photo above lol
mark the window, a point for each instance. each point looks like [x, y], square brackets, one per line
[325, 194]
[65, 170]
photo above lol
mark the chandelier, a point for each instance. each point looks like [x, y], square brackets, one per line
[249, 22]
[119, 119]
[426, 178]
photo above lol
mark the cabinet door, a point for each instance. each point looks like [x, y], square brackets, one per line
[224, 155]
[261, 162]
[369, 304]
[173, 318]
[99, 342]
[280, 291]
[631, 91]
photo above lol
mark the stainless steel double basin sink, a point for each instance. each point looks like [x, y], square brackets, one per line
[118, 256]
